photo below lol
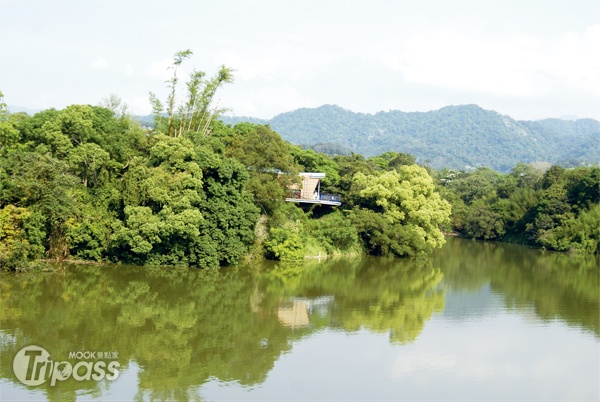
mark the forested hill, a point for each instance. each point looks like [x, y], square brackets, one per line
[455, 136]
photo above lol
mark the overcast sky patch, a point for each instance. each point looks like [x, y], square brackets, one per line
[529, 59]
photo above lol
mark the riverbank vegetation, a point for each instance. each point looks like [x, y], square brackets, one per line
[90, 183]
[548, 207]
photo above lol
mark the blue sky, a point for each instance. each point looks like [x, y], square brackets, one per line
[528, 59]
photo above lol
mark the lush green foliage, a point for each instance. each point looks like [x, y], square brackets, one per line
[284, 244]
[268, 160]
[84, 183]
[455, 137]
[557, 208]
[399, 212]
[88, 182]
[196, 112]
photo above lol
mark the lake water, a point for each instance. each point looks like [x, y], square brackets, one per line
[476, 321]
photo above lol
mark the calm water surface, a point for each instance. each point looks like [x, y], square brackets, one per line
[474, 322]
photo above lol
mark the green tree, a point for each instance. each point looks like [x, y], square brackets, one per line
[348, 166]
[88, 232]
[268, 160]
[88, 159]
[284, 244]
[392, 160]
[22, 234]
[195, 113]
[482, 222]
[472, 186]
[184, 206]
[9, 133]
[162, 199]
[527, 175]
[229, 213]
[334, 232]
[583, 187]
[41, 184]
[408, 204]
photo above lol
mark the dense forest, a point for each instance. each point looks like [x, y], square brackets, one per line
[458, 137]
[90, 183]
[554, 208]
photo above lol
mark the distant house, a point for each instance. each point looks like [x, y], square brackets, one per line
[309, 191]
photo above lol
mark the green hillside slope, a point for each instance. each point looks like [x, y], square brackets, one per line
[460, 137]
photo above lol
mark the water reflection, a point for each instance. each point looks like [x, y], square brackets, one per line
[179, 329]
[183, 327]
[297, 312]
[555, 285]
[383, 295]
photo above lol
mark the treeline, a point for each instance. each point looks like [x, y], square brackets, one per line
[549, 207]
[90, 183]
[82, 183]
[87, 183]
[456, 137]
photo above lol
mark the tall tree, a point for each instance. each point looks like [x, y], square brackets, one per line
[197, 111]
[403, 207]
[267, 157]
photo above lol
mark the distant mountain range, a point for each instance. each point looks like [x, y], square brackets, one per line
[459, 137]
[19, 109]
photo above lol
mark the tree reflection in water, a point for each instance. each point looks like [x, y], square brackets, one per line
[183, 327]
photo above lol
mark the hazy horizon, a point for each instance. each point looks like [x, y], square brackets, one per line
[19, 108]
[529, 59]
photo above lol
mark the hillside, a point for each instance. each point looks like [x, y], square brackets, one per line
[455, 136]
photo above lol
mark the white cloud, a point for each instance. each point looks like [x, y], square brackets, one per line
[289, 61]
[577, 60]
[452, 61]
[128, 69]
[409, 363]
[514, 66]
[264, 102]
[513, 56]
[140, 106]
[99, 64]
[160, 69]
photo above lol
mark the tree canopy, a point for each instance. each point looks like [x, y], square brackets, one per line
[399, 211]
[88, 182]
[458, 137]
